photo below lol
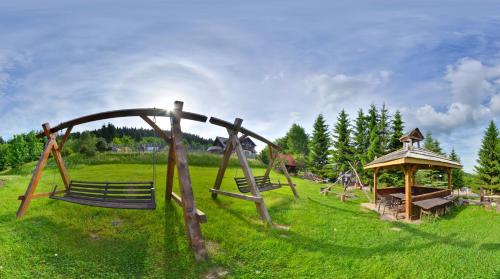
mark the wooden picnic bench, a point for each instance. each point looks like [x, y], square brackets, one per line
[426, 206]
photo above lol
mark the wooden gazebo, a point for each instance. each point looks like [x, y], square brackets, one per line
[410, 159]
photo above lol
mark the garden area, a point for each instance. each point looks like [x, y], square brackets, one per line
[314, 236]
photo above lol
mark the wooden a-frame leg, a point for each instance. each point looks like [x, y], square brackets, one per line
[272, 158]
[261, 206]
[170, 171]
[223, 167]
[192, 224]
[35, 178]
[288, 178]
[60, 164]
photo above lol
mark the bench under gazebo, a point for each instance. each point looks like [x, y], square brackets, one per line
[410, 159]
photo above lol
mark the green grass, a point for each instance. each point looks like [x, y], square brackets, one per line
[325, 239]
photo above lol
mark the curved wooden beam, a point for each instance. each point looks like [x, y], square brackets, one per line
[246, 132]
[124, 113]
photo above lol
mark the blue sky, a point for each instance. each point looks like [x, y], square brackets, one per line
[270, 63]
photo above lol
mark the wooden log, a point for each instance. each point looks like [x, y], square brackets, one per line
[66, 136]
[231, 126]
[56, 153]
[35, 178]
[261, 207]
[125, 113]
[289, 179]
[272, 158]
[237, 195]
[191, 221]
[41, 195]
[222, 167]
[158, 130]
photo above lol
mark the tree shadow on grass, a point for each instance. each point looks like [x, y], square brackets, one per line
[359, 213]
[61, 250]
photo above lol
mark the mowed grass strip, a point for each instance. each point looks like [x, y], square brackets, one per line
[315, 236]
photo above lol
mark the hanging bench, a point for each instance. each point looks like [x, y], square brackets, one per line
[126, 195]
[263, 183]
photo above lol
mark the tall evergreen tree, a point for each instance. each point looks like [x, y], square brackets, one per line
[396, 132]
[297, 140]
[488, 168]
[360, 141]
[372, 118]
[374, 148]
[432, 144]
[457, 175]
[320, 143]
[383, 129]
[342, 149]
[2, 141]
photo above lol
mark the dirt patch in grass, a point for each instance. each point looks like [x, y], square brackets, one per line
[216, 272]
[212, 247]
[2, 183]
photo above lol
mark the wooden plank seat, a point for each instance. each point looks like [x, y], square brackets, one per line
[126, 195]
[263, 183]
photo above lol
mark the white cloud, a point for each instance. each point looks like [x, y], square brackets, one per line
[333, 91]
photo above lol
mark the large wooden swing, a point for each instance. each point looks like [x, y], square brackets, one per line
[249, 183]
[130, 195]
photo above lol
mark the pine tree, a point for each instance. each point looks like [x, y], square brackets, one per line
[374, 148]
[488, 168]
[320, 143]
[360, 141]
[372, 118]
[342, 149]
[432, 144]
[457, 175]
[383, 129]
[396, 132]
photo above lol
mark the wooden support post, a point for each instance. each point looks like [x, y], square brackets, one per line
[448, 171]
[170, 171]
[288, 178]
[222, 167]
[158, 130]
[37, 174]
[65, 138]
[375, 182]
[192, 223]
[272, 158]
[261, 207]
[56, 153]
[408, 173]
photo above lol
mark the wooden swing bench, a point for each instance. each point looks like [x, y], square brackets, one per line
[263, 183]
[125, 195]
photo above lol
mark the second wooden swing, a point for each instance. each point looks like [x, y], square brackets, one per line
[249, 183]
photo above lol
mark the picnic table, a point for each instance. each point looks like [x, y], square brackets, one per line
[400, 196]
[435, 203]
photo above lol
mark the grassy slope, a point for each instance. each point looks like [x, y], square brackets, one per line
[326, 239]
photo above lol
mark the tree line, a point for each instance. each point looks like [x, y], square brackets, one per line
[24, 148]
[327, 152]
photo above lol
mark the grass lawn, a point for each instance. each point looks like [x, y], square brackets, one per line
[320, 238]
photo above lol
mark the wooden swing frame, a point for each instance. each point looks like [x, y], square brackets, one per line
[176, 158]
[234, 145]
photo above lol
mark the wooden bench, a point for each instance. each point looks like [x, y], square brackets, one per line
[263, 183]
[126, 195]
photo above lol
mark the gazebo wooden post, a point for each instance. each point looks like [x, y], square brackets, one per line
[375, 178]
[408, 174]
[448, 171]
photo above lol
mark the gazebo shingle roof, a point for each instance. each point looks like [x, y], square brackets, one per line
[414, 155]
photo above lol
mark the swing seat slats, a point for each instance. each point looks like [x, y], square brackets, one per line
[263, 183]
[126, 195]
